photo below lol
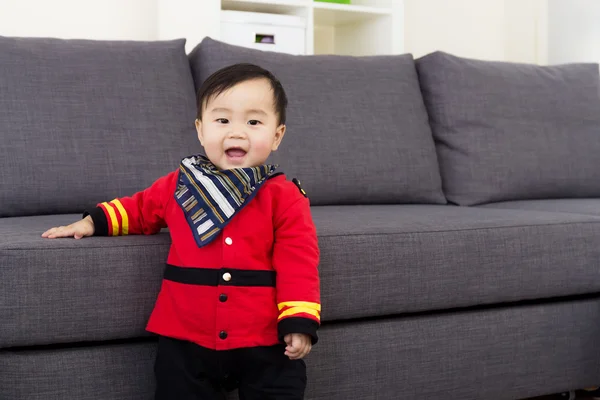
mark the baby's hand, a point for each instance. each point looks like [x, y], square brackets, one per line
[298, 345]
[79, 229]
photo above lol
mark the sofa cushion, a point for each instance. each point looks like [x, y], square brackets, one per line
[375, 261]
[357, 127]
[85, 121]
[387, 260]
[576, 206]
[513, 131]
[67, 290]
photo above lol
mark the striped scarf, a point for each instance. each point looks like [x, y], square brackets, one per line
[210, 198]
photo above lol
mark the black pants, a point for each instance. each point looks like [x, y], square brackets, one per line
[186, 371]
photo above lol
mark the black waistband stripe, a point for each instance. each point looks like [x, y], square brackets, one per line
[220, 277]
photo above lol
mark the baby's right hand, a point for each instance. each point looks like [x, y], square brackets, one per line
[79, 229]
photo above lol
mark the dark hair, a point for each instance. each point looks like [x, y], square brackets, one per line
[230, 76]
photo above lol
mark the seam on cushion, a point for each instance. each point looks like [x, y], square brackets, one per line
[84, 248]
[561, 212]
[460, 230]
[73, 345]
[335, 235]
[476, 308]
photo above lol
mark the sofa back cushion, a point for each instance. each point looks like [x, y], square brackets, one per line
[87, 121]
[509, 131]
[357, 129]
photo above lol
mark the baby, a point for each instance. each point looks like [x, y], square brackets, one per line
[239, 305]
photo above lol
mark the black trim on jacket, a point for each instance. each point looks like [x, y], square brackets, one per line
[100, 221]
[298, 325]
[220, 277]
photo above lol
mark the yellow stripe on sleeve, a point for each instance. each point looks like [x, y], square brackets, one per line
[124, 217]
[306, 304]
[300, 310]
[113, 218]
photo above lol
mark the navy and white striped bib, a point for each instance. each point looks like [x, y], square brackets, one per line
[210, 197]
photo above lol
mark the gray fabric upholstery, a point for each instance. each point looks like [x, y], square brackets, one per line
[67, 290]
[386, 260]
[575, 206]
[376, 261]
[86, 121]
[500, 353]
[357, 127]
[513, 131]
[107, 372]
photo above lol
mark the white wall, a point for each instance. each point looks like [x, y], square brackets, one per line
[111, 19]
[468, 28]
[573, 31]
[525, 31]
[505, 30]
[99, 19]
[190, 19]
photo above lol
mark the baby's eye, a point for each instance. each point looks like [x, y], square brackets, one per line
[222, 120]
[254, 122]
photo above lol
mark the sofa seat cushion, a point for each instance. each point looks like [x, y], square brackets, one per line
[375, 261]
[67, 290]
[575, 206]
[358, 130]
[386, 260]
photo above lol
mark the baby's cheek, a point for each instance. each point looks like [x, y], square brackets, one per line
[262, 146]
[213, 148]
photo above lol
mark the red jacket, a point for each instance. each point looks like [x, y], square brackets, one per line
[251, 286]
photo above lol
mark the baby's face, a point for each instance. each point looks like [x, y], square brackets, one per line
[240, 127]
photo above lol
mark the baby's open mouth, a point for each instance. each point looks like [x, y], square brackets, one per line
[235, 153]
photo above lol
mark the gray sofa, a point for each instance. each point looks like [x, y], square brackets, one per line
[457, 204]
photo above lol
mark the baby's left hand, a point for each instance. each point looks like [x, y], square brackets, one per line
[298, 345]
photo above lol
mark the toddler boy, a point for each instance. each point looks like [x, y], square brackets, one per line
[239, 304]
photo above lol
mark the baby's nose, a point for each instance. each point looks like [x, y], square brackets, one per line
[238, 132]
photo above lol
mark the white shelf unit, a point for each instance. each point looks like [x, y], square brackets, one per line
[365, 27]
[288, 7]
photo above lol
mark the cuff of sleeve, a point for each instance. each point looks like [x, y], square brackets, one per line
[100, 221]
[298, 325]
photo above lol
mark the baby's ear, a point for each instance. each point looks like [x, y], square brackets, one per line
[279, 133]
[198, 124]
